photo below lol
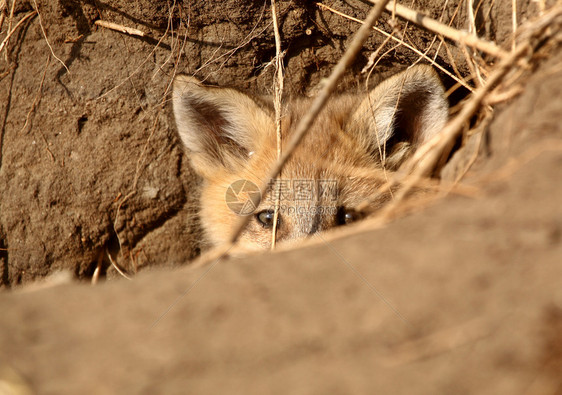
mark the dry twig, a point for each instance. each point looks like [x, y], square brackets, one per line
[120, 28]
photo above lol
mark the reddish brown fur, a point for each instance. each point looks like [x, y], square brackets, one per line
[345, 145]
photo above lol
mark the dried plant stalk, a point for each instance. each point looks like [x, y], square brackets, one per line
[451, 33]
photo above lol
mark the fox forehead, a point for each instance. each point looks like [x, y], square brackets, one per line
[330, 146]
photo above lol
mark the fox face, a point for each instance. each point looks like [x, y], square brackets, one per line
[231, 142]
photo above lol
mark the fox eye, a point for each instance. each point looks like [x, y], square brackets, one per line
[265, 218]
[346, 216]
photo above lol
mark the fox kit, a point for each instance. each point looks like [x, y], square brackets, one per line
[231, 142]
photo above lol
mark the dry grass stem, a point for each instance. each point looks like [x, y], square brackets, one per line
[12, 31]
[451, 33]
[278, 111]
[474, 71]
[140, 162]
[402, 42]
[141, 64]
[550, 20]
[374, 58]
[471, 21]
[46, 39]
[453, 64]
[11, 18]
[116, 266]
[254, 33]
[120, 28]
[169, 28]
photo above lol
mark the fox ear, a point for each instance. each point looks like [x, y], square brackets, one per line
[401, 114]
[219, 126]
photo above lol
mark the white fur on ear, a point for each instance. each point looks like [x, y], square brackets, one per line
[219, 126]
[409, 106]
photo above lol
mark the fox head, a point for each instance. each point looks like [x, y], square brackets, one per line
[231, 142]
